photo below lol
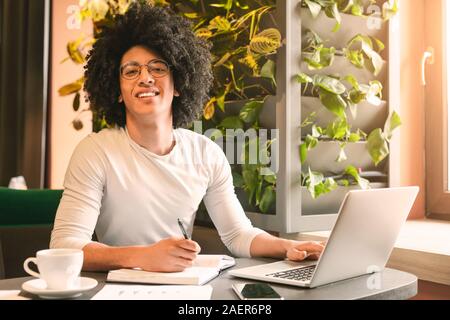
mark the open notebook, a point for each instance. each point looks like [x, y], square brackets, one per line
[205, 268]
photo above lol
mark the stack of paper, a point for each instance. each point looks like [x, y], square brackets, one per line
[133, 292]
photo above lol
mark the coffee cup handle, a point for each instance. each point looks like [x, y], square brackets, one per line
[28, 270]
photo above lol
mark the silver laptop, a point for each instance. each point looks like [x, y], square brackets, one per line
[361, 241]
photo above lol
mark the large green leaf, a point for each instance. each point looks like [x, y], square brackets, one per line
[314, 8]
[311, 142]
[317, 185]
[238, 180]
[316, 131]
[355, 57]
[74, 51]
[377, 146]
[354, 137]
[250, 111]
[332, 11]
[353, 81]
[267, 199]
[333, 102]
[303, 153]
[325, 187]
[390, 9]
[71, 88]
[270, 178]
[266, 42]
[321, 58]
[315, 179]
[259, 190]
[232, 123]
[353, 172]
[374, 92]
[329, 84]
[356, 96]
[360, 52]
[303, 78]
[344, 5]
[268, 71]
[250, 177]
[357, 9]
[375, 63]
[394, 122]
[379, 43]
[337, 130]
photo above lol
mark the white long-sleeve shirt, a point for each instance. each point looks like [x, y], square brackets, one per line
[131, 196]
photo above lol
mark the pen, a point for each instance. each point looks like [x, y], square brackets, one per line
[182, 229]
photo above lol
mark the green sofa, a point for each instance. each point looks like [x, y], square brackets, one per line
[26, 221]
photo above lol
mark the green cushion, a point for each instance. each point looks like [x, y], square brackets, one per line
[28, 207]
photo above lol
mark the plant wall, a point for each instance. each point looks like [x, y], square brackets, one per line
[342, 94]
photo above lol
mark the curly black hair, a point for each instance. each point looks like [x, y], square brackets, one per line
[168, 34]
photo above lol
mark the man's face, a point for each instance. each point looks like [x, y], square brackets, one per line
[146, 91]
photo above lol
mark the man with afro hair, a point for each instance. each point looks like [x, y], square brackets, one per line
[149, 75]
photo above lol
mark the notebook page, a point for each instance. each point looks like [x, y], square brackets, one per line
[214, 261]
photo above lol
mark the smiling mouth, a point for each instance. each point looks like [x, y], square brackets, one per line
[147, 94]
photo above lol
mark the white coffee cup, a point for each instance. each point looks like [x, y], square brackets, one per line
[59, 268]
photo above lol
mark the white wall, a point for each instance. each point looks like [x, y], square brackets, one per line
[63, 137]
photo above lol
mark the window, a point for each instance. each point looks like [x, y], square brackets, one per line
[437, 90]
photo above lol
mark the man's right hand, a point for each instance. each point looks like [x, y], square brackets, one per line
[168, 255]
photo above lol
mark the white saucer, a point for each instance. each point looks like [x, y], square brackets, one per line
[39, 287]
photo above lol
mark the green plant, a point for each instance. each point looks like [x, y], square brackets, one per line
[257, 179]
[315, 54]
[335, 96]
[378, 141]
[360, 51]
[339, 130]
[317, 184]
[244, 70]
[334, 8]
[243, 54]
[339, 94]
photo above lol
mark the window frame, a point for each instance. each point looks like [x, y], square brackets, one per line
[436, 115]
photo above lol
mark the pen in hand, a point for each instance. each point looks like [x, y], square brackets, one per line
[182, 229]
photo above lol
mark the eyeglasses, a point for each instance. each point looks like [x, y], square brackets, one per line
[132, 70]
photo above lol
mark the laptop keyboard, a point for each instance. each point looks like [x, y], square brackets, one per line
[299, 274]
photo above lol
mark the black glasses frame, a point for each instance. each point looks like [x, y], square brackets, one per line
[149, 69]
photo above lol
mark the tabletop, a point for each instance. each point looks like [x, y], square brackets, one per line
[388, 284]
